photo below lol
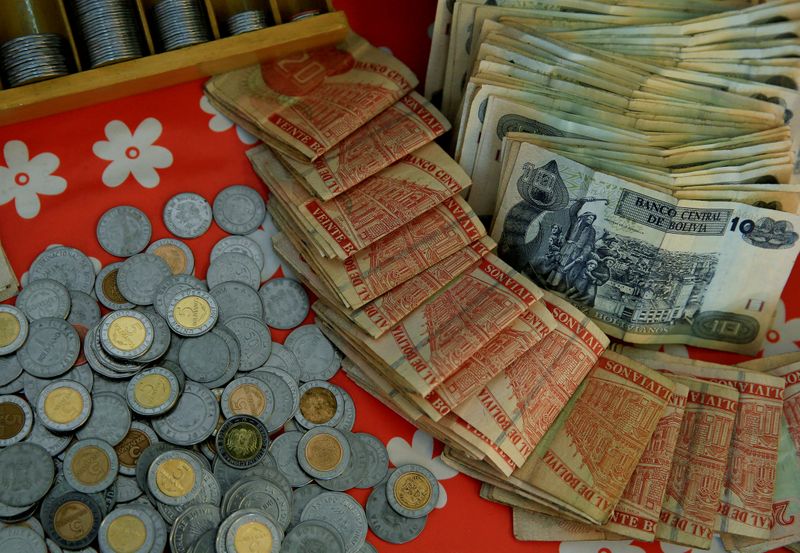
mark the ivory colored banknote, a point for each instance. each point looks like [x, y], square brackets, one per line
[9, 285]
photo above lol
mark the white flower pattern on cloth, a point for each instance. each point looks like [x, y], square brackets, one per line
[783, 335]
[420, 452]
[263, 237]
[23, 280]
[133, 153]
[716, 547]
[220, 123]
[23, 178]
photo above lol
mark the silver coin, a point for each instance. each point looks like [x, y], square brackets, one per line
[53, 547]
[210, 494]
[146, 459]
[227, 476]
[255, 341]
[153, 392]
[140, 275]
[233, 351]
[261, 494]
[187, 215]
[192, 313]
[53, 443]
[205, 358]
[242, 441]
[51, 349]
[205, 543]
[239, 210]
[314, 352]
[160, 541]
[104, 384]
[16, 420]
[169, 288]
[124, 231]
[233, 267]
[101, 362]
[162, 337]
[313, 536]
[90, 466]
[31, 477]
[415, 477]
[281, 358]
[110, 419]
[239, 244]
[377, 466]
[145, 542]
[323, 453]
[321, 404]
[176, 370]
[192, 420]
[13, 329]
[285, 303]
[68, 266]
[356, 468]
[44, 298]
[63, 406]
[20, 539]
[31, 523]
[252, 518]
[301, 498]
[367, 548]
[342, 512]
[126, 334]
[349, 414]
[107, 290]
[387, 524]
[16, 514]
[175, 253]
[284, 450]
[192, 524]
[286, 393]
[248, 396]
[132, 447]
[292, 426]
[236, 299]
[84, 311]
[127, 489]
[63, 505]
[10, 369]
[175, 477]
[107, 499]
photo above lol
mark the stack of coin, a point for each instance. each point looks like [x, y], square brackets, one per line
[110, 28]
[31, 58]
[246, 21]
[181, 23]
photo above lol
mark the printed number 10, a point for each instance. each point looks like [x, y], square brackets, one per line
[746, 226]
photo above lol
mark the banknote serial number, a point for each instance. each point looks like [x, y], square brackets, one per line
[674, 219]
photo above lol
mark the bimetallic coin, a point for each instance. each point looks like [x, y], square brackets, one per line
[44, 298]
[126, 334]
[71, 519]
[20, 539]
[153, 391]
[162, 336]
[124, 231]
[377, 465]
[285, 303]
[126, 530]
[10, 369]
[160, 541]
[191, 524]
[412, 491]
[13, 329]
[321, 403]
[286, 393]
[342, 512]
[192, 420]
[236, 299]
[31, 477]
[68, 266]
[239, 244]
[349, 413]
[82, 374]
[90, 466]
[51, 349]
[355, 471]
[192, 313]
[16, 420]
[169, 288]
[301, 498]
[387, 524]
[63, 406]
[53, 443]
[107, 290]
[323, 453]
[146, 459]
[248, 396]
[242, 441]
[284, 449]
[235, 267]
[139, 276]
[110, 419]
[175, 477]
[177, 255]
[187, 215]
[84, 311]
[314, 352]
[312, 536]
[210, 494]
[255, 341]
[252, 531]
[205, 358]
[239, 210]
[130, 449]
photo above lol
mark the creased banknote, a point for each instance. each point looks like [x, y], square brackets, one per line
[9, 285]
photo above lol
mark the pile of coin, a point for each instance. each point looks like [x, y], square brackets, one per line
[181, 23]
[246, 21]
[110, 29]
[31, 58]
[174, 418]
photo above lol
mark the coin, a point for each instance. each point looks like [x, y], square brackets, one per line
[236, 299]
[192, 420]
[175, 477]
[90, 466]
[260, 493]
[68, 266]
[321, 403]
[127, 489]
[191, 524]
[31, 523]
[169, 288]
[233, 267]
[127, 530]
[349, 412]
[255, 341]
[10, 369]
[242, 441]
[107, 290]
[285, 303]
[412, 491]
[162, 337]
[284, 449]
[377, 465]
[124, 231]
[16, 420]
[130, 449]
[84, 310]
[281, 358]
[252, 531]
[342, 512]
[153, 391]
[285, 391]
[301, 497]
[205, 543]
[126, 334]
[228, 476]
[239, 210]
[72, 519]
[387, 524]
[13, 329]
[192, 313]
[323, 453]
[356, 468]
[146, 459]
[187, 215]
[209, 494]
[233, 352]
[110, 418]
[32, 475]
[139, 276]
[19, 539]
[248, 396]
[312, 536]
[239, 244]
[44, 298]
[51, 349]
[314, 352]
[53, 443]
[101, 362]
[177, 255]
[63, 406]
[160, 541]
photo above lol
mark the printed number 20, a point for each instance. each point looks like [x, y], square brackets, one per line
[745, 227]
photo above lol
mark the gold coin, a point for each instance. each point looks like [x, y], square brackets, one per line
[90, 465]
[152, 391]
[412, 490]
[73, 520]
[63, 405]
[243, 441]
[192, 312]
[131, 447]
[175, 477]
[173, 256]
[324, 452]
[126, 534]
[318, 405]
[12, 419]
[9, 329]
[127, 333]
[252, 537]
[247, 399]
[110, 288]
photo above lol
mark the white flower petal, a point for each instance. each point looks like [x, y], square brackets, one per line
[108, 151]
[49, 185]
[116, 173]
[245, 137]
[422, 442]
[7, 185]
[157, 156]
[27, 205]
[145, 175]
[16, 154]
[442, 497]
[400, 453]
[44, 164]
[118, 132]
[147, 132]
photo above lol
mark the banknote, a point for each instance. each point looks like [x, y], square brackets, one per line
[9, 285]
[306, 103]
[646, 267]
[437, 59]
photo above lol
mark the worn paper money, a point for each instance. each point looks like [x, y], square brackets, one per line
[9, 285]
